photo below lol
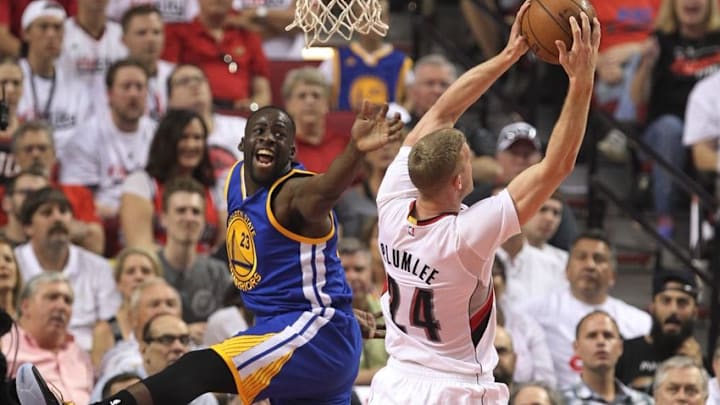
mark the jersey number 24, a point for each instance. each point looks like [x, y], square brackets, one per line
[421, 310]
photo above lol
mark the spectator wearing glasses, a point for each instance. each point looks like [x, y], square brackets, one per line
[232, 58]
[165, 339]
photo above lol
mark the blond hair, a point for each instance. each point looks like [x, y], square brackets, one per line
[135, 250]
[667, 20]
[307, 75]
[435, 159]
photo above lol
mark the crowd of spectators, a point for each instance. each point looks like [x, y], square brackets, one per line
[124, 117]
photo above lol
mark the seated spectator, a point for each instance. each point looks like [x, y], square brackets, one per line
[54, 95]
[172, 11]
[369, 68]
[625, 27]
[150, 298]
[90, 46]
[358, 203]
[701, 117]
[533, 359]
[518, 147]
[591, 274]
[11, 80]
[674, 311]
[355, 259]
[369, 236]
[680, 380]
[306, 94]
[433, 74]
[598, 345]
[684, 49]
[10, 24]
[133, 265]
[179, 149]
[119, 383]
[107, 148]
[165, 339]
[543, 225]
[232, 58]
[10, 280]
[488, 22]
[714, 384]
[188, 89]
[44, 339]
[34, 148]
[227, 321]
[17, 188]
[144, 37]
[505, 367]
[530, 272]
[535, 394]
[201, 280]
[46, 215]
[268, 18]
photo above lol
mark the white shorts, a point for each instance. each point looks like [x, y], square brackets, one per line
[401, 383]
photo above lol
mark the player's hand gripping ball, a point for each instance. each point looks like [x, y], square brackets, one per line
[546, 21]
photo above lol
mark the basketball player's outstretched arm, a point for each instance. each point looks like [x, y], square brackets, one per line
[468, 88]
[313, 197]
[534, 186]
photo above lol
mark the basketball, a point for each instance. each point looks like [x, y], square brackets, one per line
[546, 21]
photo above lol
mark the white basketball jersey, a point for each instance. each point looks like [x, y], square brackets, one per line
[439, 308]
[172, 11]
[101, 155]
[61, 101]
[86, 58]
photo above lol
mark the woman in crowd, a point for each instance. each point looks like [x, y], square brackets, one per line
[10, 281]
[684, 48]
[178, 149]
[133, 265]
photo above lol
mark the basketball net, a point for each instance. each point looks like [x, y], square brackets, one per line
[321, 19]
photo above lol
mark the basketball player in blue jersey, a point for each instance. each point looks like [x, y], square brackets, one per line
[281, 241]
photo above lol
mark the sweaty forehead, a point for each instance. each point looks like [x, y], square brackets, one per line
[272, 116]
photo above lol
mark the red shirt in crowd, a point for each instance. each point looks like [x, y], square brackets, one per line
[11, 12]
[229, 64]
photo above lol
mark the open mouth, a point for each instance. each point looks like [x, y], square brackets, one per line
[264, 158]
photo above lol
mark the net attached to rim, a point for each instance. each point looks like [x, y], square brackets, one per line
[321, 19]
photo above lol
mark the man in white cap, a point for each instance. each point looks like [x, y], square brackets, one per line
[50, 94]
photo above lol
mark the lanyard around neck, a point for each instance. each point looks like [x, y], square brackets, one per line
[45, 113]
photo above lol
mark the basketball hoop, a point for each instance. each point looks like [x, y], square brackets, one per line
[321, 19]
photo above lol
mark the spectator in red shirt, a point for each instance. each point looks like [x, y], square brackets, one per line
[232, 58]
[307, 100]
[10, 31]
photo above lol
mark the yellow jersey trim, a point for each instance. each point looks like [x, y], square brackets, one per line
[229, 176]
[286, 232]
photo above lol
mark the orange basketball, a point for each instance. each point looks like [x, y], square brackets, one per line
[546, 21]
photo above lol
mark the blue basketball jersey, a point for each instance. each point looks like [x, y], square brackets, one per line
[277, 270]
[378, 77]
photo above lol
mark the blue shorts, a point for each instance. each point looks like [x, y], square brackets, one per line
[296, 358]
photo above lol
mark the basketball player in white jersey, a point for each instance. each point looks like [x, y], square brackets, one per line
[440, 309]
